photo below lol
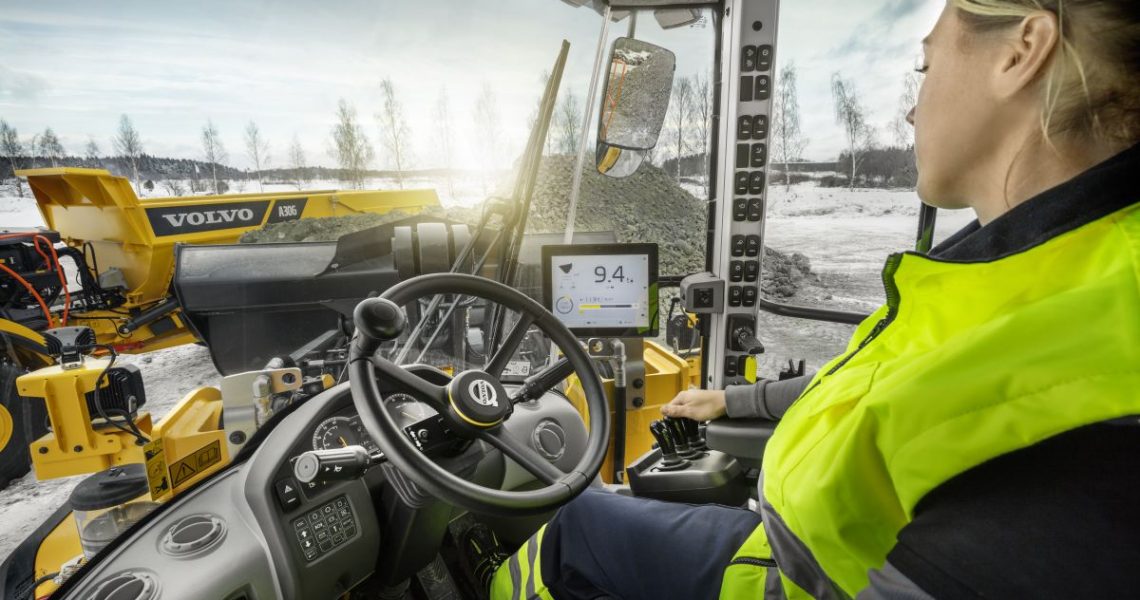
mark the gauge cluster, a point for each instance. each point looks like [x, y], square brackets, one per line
[346, 429]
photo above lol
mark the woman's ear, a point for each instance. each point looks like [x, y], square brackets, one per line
[1027, 53]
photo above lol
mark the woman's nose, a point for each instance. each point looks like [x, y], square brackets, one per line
[910, 117]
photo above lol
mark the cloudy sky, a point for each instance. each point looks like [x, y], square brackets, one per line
[77, 65]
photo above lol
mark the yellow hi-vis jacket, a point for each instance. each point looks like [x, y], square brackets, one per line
[965, 363]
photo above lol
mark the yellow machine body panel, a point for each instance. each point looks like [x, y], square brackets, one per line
[74, 446]
[666, 375]
[59, 547]
[136, 236]
[193, 444]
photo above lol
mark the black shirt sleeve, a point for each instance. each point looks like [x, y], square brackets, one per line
[1060, 519]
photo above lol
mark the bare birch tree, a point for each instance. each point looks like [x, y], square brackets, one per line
[213, 153]
[702, 117]
[350, 145]
[900, 127]
[445, 138]
[50, 147]
[13, 151]
[394, 130]
[297, 167]
[91, 153]
[128, 144]
[851, 116]
[568, 122]
[257, 149]
[487, 132]
[786, 132]
[681, 106]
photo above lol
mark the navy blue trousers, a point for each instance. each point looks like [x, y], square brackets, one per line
[602, 545]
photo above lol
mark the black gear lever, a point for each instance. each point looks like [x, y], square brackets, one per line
[680, 439]
[693, 433]
[670, 460]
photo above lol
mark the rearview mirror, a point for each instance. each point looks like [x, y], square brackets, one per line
[633, 105]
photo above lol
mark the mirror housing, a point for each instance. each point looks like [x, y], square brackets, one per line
[634, 103]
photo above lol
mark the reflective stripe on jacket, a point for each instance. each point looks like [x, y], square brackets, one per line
[966, 362]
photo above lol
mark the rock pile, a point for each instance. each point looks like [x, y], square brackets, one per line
[647, 206]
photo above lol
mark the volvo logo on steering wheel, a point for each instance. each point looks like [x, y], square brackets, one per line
[483, 392]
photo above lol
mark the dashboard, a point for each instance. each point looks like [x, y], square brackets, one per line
[265, 545]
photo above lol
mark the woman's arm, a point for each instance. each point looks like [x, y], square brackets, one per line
[766, 399]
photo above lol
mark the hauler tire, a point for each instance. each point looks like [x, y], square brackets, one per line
[28, 423]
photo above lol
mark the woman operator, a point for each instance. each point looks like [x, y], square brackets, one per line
[978, 438]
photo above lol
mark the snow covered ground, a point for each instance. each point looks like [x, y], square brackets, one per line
[845, 233]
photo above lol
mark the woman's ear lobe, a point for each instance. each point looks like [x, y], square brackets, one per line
[1029, 52]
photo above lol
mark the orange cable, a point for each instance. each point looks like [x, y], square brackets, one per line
[39, 299]
[62, 277]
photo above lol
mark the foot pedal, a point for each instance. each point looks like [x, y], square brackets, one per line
[436, 581]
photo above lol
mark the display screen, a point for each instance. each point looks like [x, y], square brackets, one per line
[603, 290]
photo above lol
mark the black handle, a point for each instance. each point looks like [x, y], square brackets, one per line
[540, 383]
[337, 464]
[693, 433]
[669, 458]
[680, 438]
[377, 320]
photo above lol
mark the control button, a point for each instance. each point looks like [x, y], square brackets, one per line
[763, 87]
[734, 295]
[746, 88]
[349, 532]
[748, 58]
[756, 182]
[300, 524]
[742, 365]
[757, 157]
[764, 58]
[752, 245]
[742, 154]
[338, 538]
[736, 271]
[314, 517]
[327, 509]
[755, 209]
[749, 296]
[751, 271]
[326, 546]
[740, 209]
[322, 536]
[304, 534]
[334, 528]
[341, 502]
[306, 544]
[729, 366]
[759, 127]
[319, 526]
[743, 127]
[344, 512]
[311, 553]
[741, 183]
[288, 495]
[738, 245]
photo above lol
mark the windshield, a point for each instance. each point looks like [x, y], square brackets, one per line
[184, 104]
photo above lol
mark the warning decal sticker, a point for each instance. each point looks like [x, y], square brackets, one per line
[195, 463]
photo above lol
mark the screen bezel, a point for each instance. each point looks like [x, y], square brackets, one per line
[650, 250]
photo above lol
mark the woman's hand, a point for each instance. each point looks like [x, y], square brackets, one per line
[699, 405]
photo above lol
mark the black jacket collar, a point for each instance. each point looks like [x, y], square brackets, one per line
[1098, 192]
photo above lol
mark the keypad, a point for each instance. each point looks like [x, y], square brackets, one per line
[324, 528]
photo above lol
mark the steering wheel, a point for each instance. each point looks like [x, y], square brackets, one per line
[474, 404]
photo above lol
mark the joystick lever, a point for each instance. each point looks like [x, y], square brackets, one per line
[693, 433]
[669, 458]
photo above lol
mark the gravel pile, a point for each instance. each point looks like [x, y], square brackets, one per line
[647, 206]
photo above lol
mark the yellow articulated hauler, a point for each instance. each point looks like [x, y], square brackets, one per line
[123, 249]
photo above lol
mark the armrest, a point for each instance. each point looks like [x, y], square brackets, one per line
[744, 439]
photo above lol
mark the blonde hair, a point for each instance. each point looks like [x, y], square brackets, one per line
[1092, 86]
